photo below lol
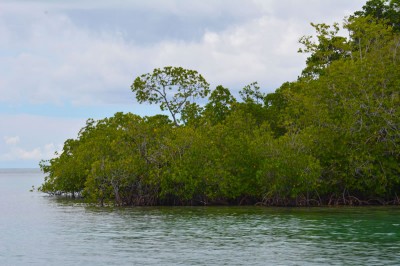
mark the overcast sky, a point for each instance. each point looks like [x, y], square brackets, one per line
[64, 61]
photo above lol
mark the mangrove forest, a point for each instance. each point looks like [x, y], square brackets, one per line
[332, 137]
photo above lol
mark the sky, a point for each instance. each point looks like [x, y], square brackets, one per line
[64, 61]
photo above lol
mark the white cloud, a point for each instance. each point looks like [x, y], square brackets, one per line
[36, 154]
[54, 60]
[240, 55]
[11, 140]
[34, 138]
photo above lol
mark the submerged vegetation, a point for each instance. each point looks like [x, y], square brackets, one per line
[331, 137]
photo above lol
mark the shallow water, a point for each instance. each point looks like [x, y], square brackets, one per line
[39, 230]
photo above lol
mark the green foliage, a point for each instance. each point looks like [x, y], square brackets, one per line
[331, 137]
[219, 104]
[368, 34]
[351, 111]
[275, 105]
[68, 165]
[329, 47]
[252, 94]
[289, 173]
[184, 85]
[386, 10]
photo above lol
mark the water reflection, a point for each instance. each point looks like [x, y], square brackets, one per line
[36, 229]
[242, 236]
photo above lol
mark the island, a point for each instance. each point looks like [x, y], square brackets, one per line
[332, 137]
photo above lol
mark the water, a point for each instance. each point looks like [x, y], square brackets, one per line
[39, 230]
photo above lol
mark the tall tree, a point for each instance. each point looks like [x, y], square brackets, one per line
[328, 47]
[387, 10]
[175, 88]
[219, 104]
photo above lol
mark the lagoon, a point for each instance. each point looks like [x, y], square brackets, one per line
[36, 229]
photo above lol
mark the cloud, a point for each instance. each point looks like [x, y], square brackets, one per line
[11, 140]
[53, 58]
[29, 138]
[18, 153]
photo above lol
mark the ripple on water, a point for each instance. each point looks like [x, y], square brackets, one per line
[36, 229]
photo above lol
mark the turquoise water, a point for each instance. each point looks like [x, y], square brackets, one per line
[39, 230]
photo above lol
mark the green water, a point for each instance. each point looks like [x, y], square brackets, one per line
[39, 230]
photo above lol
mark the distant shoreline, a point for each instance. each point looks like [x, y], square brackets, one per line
[13, 169]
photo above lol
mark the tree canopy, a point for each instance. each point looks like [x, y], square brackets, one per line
[174, 88]
[330, 137]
